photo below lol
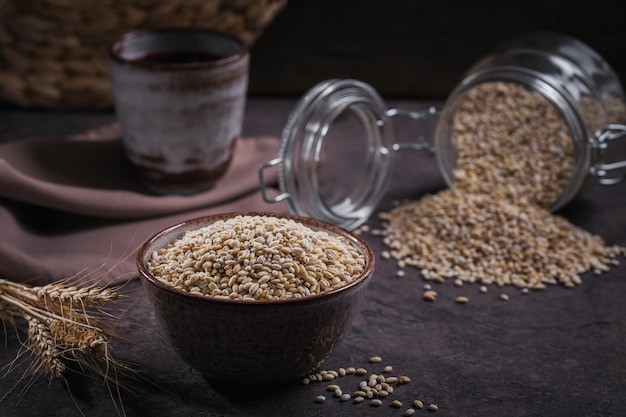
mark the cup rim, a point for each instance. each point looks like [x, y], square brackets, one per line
[116, 47]
[149, 278]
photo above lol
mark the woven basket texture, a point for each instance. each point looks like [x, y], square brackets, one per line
[53, 53]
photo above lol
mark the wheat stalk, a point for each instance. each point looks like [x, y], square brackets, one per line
[65, 326]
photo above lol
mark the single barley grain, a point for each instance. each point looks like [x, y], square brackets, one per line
[404, 379]
[359, 400]
[375, 359]
[396, 404]
[430, 295]
[320, 399]
[461, 300]
[361, 371]
[376, 402]
[409, 411]
[433, 407]
[418, 404]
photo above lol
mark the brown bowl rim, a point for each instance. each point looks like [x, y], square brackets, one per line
[360, 244]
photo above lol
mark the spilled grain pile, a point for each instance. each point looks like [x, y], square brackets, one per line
[514, 158]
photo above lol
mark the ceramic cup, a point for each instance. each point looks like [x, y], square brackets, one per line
[179, 97]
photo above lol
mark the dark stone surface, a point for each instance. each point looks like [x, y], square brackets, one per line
[559, 352]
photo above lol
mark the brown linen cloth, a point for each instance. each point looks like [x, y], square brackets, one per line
[73, 206]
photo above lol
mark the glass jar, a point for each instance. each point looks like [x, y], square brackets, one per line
[569, 75]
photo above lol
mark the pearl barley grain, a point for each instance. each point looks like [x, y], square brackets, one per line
[430, 295]
[257, 257]
[404, 379]
[461, 300]
[360, 371]
[508, 173]
[396, 404]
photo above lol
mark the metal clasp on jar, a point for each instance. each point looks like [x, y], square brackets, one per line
[600, 144]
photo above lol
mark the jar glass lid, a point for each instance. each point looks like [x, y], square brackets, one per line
[333, 161]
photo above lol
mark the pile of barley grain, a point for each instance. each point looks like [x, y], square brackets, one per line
[491, 227]
[257, 258]
[512, 142]
[481, 239]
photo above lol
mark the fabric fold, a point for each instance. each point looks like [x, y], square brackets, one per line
[73, 206]
[94, 178]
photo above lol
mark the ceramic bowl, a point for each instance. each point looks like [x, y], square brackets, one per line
[253, 342]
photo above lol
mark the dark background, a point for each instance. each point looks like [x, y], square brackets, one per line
[416, 48]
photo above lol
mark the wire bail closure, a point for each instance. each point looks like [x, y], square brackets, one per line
[601, 143]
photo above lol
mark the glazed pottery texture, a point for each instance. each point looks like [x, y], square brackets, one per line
[253, 342]
[179, 97]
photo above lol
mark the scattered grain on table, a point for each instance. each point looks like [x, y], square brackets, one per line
[371, 387]
[493, 226]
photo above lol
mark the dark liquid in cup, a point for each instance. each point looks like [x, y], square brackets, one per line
[182, 57]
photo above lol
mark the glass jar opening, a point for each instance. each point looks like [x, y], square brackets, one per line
[341, 123]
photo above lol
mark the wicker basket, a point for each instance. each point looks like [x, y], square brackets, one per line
[53, 52]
